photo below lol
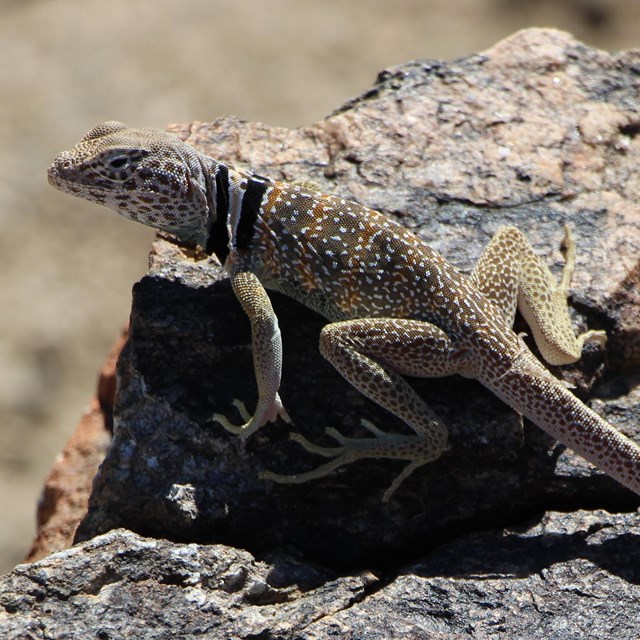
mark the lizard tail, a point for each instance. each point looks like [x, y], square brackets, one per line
[532, 391]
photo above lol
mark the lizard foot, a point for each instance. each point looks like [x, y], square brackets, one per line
[268, 413]
[594, 335]
[382, 445]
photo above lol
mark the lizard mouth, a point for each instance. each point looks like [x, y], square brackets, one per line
[57, 178]
[97, 194]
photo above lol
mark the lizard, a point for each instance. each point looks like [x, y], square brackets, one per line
[395, 307]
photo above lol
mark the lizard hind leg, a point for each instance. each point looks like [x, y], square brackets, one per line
[510, 274]
[372, 354]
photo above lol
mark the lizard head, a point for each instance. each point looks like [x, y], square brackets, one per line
[146, 175]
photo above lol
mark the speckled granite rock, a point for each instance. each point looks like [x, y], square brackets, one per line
[566, 577]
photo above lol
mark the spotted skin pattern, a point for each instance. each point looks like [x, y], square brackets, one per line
[395, 306]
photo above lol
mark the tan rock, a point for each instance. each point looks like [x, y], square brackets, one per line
[64, 499]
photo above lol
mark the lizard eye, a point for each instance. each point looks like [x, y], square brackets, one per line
[118, 162]
[119, 165]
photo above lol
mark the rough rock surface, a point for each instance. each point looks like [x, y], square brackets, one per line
[568, 576]
[537, 131]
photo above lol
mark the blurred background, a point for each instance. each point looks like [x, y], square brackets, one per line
[67, 267]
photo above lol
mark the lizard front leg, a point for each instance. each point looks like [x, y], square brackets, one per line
[267, 356]
[373, 354]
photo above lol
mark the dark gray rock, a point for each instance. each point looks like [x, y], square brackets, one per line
[535, 132]
[570, 576]
[123, 586]
[565, 576]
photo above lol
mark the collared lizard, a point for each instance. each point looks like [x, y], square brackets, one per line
[395, 306]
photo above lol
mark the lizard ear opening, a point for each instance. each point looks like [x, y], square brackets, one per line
[196, 194]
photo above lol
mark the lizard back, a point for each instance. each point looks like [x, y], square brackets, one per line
[346, 260]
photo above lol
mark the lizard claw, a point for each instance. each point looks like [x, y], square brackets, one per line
[282, 412]
[263, 414]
